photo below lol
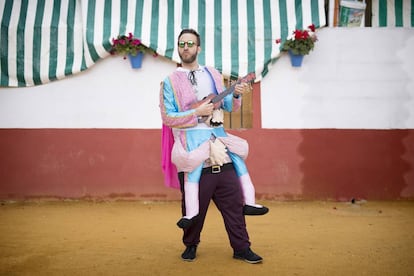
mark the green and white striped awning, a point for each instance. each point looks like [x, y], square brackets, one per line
[392, 13]
[45, 40]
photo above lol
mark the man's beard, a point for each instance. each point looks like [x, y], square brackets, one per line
[189, 59]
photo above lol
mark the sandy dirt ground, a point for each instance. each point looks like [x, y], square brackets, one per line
[70, 237]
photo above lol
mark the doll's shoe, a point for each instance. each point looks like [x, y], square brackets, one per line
[186, 222]
[249, 210]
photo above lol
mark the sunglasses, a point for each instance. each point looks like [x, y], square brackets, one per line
[189, 43]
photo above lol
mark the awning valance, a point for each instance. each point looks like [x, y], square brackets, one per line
[42, 41]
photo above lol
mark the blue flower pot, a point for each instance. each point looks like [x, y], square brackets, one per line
[295, 60]
[136, 61]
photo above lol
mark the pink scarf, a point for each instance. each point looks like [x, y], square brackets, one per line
[169, 169]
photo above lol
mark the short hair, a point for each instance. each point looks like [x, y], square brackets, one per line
[190, 31]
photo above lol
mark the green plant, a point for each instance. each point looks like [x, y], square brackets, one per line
[128, 45]
[301, 42]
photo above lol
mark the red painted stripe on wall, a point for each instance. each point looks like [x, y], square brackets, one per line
[284, 164]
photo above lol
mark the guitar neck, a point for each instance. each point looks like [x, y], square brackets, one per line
[223, 94]
[248, 78]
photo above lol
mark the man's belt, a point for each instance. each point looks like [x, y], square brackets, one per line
[218, 169]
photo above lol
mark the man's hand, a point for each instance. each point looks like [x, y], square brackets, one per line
[241, 88]
[205, 109]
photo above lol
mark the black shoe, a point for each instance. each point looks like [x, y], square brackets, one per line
[185, 222]
[189, 253]
[254, 211]
[248, 256]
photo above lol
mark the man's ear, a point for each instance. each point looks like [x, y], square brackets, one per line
[198, 49]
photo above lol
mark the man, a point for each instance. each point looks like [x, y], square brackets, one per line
[186, 86]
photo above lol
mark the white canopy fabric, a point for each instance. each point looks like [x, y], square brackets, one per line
[392, 13]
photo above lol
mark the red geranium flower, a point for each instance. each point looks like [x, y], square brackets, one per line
[301, 41]
[128, 45]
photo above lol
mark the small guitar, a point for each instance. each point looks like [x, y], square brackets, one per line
[216, 98]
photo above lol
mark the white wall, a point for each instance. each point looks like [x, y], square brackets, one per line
[360, 78]
[109, 95]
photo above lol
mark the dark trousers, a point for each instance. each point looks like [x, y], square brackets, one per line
[225, 191]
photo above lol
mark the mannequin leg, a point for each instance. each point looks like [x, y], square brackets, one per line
[249, 194]
[191, 199]
[191, 203]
